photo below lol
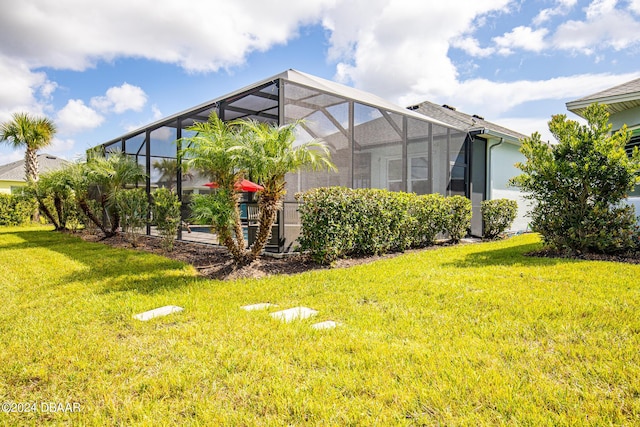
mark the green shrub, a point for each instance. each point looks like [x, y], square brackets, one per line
[338, 222]
[16, 209]
[427, 218]
[166, 215]
[327, 217]
[458, 221]
[133, 207]
[497, 216]
[578, 185]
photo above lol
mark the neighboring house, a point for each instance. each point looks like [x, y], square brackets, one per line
[373, 142]
[623, 104]
[12, 175]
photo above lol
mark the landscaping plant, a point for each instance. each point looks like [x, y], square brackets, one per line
[458, 221]
[497, 216]
[269, 154]
[214, 151]
[579, 184]
[166, 215]
[16, 209]
[133, 208]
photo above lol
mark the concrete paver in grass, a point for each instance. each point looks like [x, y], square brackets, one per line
[328, 324]
[158, 312]
[259, 306]
[294, 313]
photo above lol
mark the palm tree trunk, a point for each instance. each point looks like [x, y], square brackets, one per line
[269, 207]
[84, 206]
[48, 214]
[57, 203]
[31, 172]
[31, 164]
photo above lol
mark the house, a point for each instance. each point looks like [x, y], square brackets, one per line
[623, 105]
[373, 142]
[12, 175]
[494, 151]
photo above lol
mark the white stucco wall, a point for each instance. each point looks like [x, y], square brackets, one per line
[635, 202]
[501, 168]
[629, 117]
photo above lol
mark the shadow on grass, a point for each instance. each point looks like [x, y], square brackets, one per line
[116, 270]
[513, 255]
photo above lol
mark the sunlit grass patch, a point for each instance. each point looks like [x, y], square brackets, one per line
[466, 335]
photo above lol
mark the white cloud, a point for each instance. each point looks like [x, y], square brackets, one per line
[562, 8]
[600, 7]
[20, 87]
[492, 99]
[77, 117]
[59, 145]
[120, 99]
[605, 27]
[521, 37]
[634, 6]
[471, 47]
[10, 156]
[200, 36]
[392, 46]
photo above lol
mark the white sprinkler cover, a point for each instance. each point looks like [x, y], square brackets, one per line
[158, 312]
[259, 306]
[294, 314]
[329, 324]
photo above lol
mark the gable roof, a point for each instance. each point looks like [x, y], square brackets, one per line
[618, 98]
[463, 121]
[14, 171]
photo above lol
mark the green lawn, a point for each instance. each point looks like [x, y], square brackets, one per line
[468, 335]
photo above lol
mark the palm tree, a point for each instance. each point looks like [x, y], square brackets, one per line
[269, 154]
[112, 175]
[31, 133]
[54, 185]
[168, 169]
[214, 151]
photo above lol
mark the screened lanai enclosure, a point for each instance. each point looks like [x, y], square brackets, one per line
[373, 143]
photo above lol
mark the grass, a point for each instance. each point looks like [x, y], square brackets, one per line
[467, 335]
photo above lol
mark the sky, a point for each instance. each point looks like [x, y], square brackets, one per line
[101, 69]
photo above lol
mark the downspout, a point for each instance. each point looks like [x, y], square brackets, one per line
[489, 165]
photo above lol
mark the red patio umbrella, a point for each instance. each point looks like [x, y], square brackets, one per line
[244, 185]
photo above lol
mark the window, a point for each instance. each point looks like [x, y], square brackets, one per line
[394, 174]
[419, 175]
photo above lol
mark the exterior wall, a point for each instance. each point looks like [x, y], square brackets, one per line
[501, 168]
[629, 117]
[635, 202]
[5, 186]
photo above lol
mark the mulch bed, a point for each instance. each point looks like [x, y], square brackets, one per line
[214, 262]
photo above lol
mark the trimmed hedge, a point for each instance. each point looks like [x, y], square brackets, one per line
[338, 222]
[497, 216]
[458, 220]
[16, 209]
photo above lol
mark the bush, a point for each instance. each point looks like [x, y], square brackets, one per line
[133, 207]
[327, 218]
[166, 215]
[458, 220]
[427, 216]
[339, 222]
[578, 185]
[16, 209]
[497, 216]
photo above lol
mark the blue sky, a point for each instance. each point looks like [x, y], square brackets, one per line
[99, 71]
